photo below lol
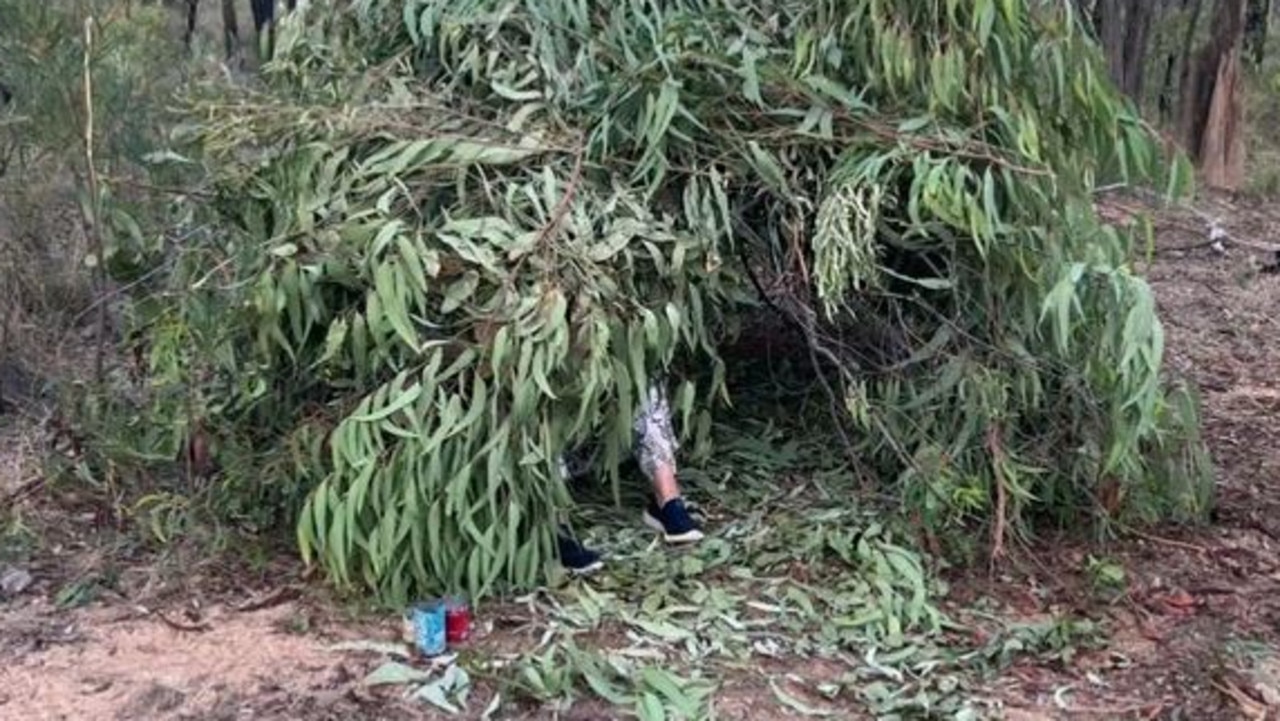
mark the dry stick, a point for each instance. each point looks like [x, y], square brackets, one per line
[139, 185]
[278, 596]
[22, 489]
[90, 215]
[566, 200]
[997, 457]
[200, 627]
[558, 213]
[1166, 541]
[1248, 705]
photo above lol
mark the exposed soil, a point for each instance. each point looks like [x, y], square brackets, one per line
[1196, 634]
[106, 631]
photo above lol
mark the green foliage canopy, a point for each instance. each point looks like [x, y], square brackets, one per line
[461, 234]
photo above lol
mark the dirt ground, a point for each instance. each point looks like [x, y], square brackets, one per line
[1196, 635]
[104, 630]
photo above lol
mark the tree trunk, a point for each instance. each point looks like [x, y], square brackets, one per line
[192, 8]
[1178, 58]
[1124, 26]
[230, 30]
[1255, 30]
[264, 21]
[1188, 39]
[1109, 16]
[1137, 32]
[1212, 105]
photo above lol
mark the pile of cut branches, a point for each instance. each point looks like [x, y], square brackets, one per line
[454, 238]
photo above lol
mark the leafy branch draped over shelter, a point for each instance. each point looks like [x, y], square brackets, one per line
[463, 234]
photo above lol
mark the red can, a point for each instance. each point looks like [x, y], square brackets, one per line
[457, 620]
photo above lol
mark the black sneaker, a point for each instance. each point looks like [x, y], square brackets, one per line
[578, 560]
[673, 521]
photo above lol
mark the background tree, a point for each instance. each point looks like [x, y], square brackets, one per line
[1124, 28]
[1177, 60]
[1212, 106]
[1257, 20]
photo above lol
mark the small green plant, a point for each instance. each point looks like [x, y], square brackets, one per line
[17, 539]
[84, 590]
[653, 692]
[1060, 638]
[1106, 576]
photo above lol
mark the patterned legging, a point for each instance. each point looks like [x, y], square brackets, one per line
[654, 442]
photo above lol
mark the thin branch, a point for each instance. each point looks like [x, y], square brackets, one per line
[90, 212]
[163, 190]
[996, 450]
[276, 597]
[566, 200]
[200, 627]
[22, 489]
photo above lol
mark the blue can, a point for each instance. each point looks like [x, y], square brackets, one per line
[429, 629]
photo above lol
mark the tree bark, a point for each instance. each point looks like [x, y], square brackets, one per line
[1164, 98]
[1137, 32]
[1256, 21]
[1212, 105]
[1124, 27]
[230, 30]
[1109, 16]
[1178, 59]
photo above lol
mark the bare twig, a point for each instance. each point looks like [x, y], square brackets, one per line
[160, 189]
[22, 489]
[200, 627]
[273, 598]
[1115, 711]
[1249, 707]
[90, 212]
[102, 300]
[997, 467]
[566, 200]
[1167, 541]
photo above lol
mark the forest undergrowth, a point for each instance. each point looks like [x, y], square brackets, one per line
[361, 301]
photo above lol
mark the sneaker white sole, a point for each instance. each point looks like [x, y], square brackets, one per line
[586, 570]
[673, 538]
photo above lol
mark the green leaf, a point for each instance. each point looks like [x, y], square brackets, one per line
[650, 708]
[796, 704]
[395, 673]
[460, 291]
[401, 401]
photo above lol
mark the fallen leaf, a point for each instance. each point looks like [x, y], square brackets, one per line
[394, 672]
[796, 704]
[1180, 602]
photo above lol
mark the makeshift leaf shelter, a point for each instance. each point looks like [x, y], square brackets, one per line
[461, 235]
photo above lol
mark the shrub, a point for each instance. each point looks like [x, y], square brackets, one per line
[454, 238]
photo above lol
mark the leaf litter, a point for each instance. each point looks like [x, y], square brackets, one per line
[788, 580]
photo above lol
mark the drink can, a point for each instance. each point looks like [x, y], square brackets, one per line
[426, 623]
[458, 619]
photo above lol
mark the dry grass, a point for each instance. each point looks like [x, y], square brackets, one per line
[21, 456]
[44, 284]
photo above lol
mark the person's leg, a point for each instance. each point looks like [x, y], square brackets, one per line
[655, 450]
[575, 557]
